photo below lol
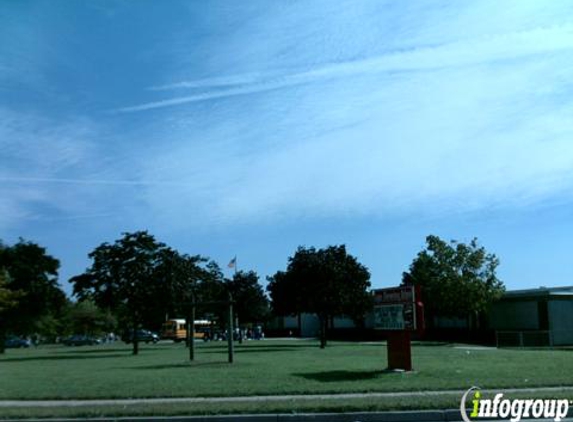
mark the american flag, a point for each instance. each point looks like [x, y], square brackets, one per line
[232, 263]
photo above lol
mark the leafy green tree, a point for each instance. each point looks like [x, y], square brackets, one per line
[142, 281]
[285, 297]
[327, 282]
[126, 277]
[85, 317]
[457, 279]
[184, 276]
[191, 281]
[212, 294]
[8, 297]
[284, 293]
[31, 276]
[250, 303]
[8, 300]
[50, 326]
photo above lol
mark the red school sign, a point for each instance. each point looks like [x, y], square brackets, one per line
[399, 311]
[398, 308]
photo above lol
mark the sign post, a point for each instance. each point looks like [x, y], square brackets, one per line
[395, 311]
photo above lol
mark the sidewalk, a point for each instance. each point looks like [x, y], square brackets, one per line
[410, 416]
[169, 400]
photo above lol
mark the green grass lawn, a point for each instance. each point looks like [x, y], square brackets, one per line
[266, 368]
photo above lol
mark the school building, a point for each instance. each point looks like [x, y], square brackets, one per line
[534, 317]
[521, 318]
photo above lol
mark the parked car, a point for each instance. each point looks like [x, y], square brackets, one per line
[81, 340]
[142, 336]
[16, 343]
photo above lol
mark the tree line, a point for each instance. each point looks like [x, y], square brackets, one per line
[137, 281]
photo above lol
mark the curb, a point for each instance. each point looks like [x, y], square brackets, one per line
[449, 415]
[446, 415]
[284, 397]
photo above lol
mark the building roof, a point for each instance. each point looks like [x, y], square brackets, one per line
[539, 292]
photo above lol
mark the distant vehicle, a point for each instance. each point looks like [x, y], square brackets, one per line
[81, 340]
[176, 330]
[17, 343]
[142, 336]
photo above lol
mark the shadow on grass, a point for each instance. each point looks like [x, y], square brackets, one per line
[96, 351]
[61, 357]
[417, 343]
[294, 345]
[338, 376]
[431, 343]
[143, 348]
[250, 348]
[183, 365]
[267, 349]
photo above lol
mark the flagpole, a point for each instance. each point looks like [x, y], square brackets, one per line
[233, 264]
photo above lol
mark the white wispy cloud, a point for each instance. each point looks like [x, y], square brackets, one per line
[355, 109]
[79, 181]
[39, 155]
[73, 217]
[213, 82]
[461, 126]
[482, 50]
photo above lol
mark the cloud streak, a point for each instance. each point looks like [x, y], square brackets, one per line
[52, 169]
[257, 126]
[471, 52]
[308, 117]
[42, 180]
[462, 127]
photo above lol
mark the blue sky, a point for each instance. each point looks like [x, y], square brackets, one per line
[249, 128]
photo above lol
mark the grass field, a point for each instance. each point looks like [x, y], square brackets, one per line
[267, 368]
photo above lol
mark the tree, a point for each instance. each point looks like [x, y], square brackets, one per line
[8, 297]
[8, 301]
[250, 303]
[327, 282]
[184, 278]
[192, 282]
[141, 281]
[85, 317]
[31, 276]
[126, 277]
[456, 279]
[285, 297]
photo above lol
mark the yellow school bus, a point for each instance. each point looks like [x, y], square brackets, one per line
[176, 329]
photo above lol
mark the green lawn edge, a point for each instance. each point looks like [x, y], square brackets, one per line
[294, 406]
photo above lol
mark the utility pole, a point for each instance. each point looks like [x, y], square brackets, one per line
[191, 329]
[230, 329]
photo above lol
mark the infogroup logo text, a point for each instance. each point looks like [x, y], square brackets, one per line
[514, 409]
